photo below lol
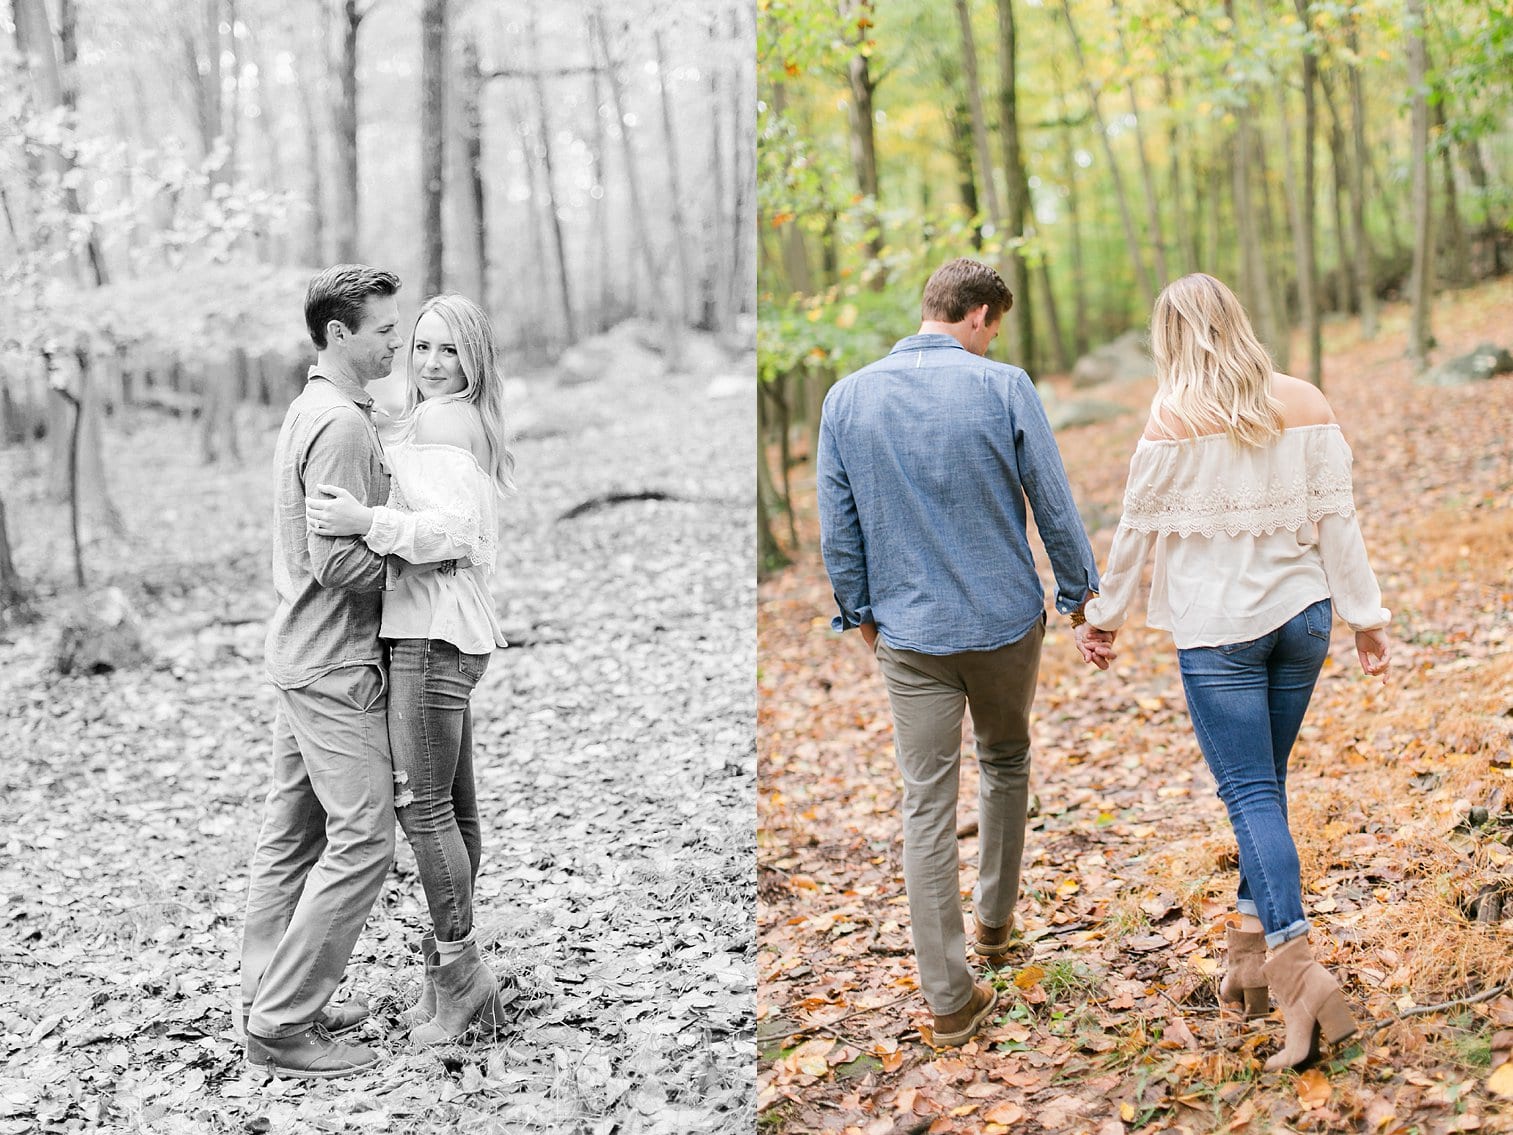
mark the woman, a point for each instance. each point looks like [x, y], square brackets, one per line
[449, 466]
[1241, 484]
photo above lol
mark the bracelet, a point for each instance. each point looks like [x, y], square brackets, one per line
[1078, 618]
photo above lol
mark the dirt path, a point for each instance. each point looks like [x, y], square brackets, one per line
[1109, 1021]
[616, 771]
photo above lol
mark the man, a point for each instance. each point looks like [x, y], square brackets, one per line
[926, 459]
[328, 822]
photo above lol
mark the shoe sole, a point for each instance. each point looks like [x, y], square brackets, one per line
[281, 1073]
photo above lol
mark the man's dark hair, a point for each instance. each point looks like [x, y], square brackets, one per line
[961, 285]
[341, 292]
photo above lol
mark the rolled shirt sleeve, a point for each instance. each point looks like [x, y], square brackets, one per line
[841, 536]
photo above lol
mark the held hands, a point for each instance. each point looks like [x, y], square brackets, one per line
[340, 515]
[1372, 649]
[1094, 645]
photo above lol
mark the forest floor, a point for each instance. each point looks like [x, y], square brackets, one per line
[616, 772]
[1402, 805]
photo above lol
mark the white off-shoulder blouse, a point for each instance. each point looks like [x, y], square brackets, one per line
[1244, 537]
[442, 506]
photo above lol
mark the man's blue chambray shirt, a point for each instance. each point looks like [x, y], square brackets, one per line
[926, 459]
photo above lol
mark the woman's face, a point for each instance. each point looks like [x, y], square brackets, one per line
[438, 369]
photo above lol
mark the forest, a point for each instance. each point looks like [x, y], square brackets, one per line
[171, 176]
[1321, 157]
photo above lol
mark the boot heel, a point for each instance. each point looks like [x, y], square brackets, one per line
[1256, 1001]
[1335, 1022]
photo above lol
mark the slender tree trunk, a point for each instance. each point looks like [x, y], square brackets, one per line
[599, 222]
[1304, 224]
[544, 125]
[978, 119]
[1257, 290]
[1421, 283]
[433, 136]
[15, 597]
[959, 123]
[1274, 268]
[470, 197]
[275, 248]
[211, 115]
[315, 190]
[680, 237]
[863, 132]
[1344, 291]
[1365, 272]
[1131, 238]
[1073, 217]
[347, 214]
[1020, 217]
[1491, 229]
[714, 270]
[743, 94]
[1147, 176]
[1457, 252]
[1183, 207]
[672, 328]
[231, 120]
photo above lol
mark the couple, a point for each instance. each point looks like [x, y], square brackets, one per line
[1241, 485]
[382, 552]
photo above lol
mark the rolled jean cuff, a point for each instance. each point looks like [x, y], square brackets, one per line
[1287, 934]
[1246, 906]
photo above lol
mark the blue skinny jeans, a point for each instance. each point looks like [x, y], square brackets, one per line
[1247, 701]
[431, 738]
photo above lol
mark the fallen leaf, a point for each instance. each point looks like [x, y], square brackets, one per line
[1313, 1089]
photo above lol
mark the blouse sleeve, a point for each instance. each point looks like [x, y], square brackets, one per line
[442, 517]
[1352, 584]
[1121, 577]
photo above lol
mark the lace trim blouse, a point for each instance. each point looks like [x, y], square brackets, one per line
[442, 506]
[1244, 537]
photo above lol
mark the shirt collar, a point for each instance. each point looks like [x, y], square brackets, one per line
[346, 386]
[928, 341]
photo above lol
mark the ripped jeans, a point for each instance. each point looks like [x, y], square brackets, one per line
[431, 738]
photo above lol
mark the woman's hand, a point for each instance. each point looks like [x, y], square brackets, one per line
[1371, 648]
[340, 515]
[1095, 646]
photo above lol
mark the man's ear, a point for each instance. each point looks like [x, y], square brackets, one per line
[978, 317]
[336, 331]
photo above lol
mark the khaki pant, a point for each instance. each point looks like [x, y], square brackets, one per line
[324, 849]
[928, 694]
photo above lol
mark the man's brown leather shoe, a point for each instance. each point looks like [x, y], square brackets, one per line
[958, 1027]
[991, 941]
[309, 1055]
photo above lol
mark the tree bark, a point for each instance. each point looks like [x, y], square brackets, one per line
[1147, 176]
[433, 135]
[469, 195]
[681, 303]
[1458, 246]
[978, 119]
[1303, 223]
[15, 597]
[347, 214]
[554, 220]
[1073, 218]
[1022, 340]
[1421, 282]
[743, 95]
[1365, 281]
[863, 131]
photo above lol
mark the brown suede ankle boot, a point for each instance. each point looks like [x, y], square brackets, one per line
[467, 992]
[1312, 1005]
[1244, 983]
[424, 1009]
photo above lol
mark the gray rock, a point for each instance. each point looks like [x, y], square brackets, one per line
[99, 634]
[1478, 366]
[1124, 359]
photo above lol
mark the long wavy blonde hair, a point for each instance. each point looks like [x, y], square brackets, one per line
[1213, 375]
[479, 356]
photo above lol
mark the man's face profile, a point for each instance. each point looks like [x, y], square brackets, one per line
[371, 347]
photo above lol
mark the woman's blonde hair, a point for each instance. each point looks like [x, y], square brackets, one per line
[479, 357]
[1213, 375]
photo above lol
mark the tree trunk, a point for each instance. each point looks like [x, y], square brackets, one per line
[469, 196]
[1457, 245]
[1421, 283]
[1257, 289]
[1073, 218]
[599, 237]
[1343, 293]
[681, 303]
[1303, 223]
[1022, 340]
[743, 213]
[347, 213]
[1365, 281]
[433, 136]
[15, 598]
[544, 126]
[1147, 176]
[863, 133]
[978, 119]
[315, 234]
[1185, 226]
[672, 328]
[1131, 238]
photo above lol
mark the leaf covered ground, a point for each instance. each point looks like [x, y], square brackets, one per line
[1402, 804]
[616, 773]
